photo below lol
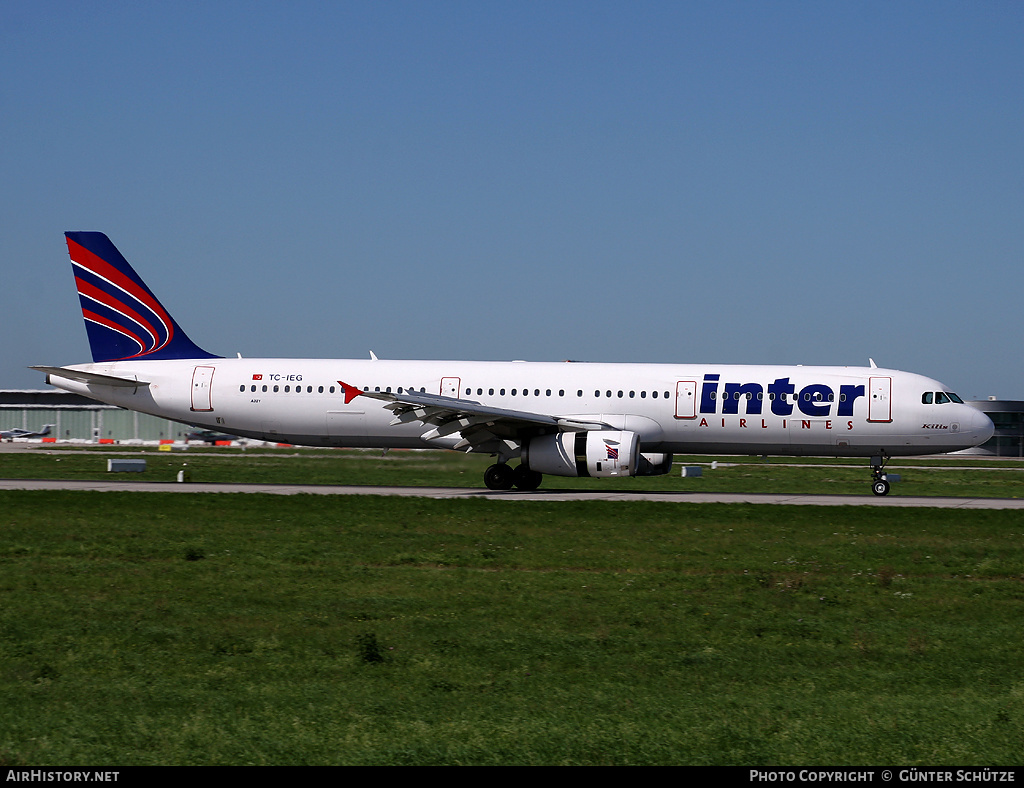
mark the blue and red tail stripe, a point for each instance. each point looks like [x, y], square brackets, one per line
[123, 318]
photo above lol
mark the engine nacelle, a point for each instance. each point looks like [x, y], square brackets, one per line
[594, 453]
[654, 464]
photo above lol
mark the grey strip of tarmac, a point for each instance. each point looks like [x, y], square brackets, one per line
[514, 495]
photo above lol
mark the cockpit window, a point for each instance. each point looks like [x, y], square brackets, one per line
[939, 398]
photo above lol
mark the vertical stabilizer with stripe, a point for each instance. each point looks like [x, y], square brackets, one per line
[123, 318]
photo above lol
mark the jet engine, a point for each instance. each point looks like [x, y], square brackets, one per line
[654, 465]
[593, 453]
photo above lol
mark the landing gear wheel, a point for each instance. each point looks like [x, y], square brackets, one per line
[879, 484]
[527, 480]
[499, 477]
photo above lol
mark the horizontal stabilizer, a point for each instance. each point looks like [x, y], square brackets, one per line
[92, 378]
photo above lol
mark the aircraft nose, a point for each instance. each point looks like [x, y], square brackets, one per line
[981, 426]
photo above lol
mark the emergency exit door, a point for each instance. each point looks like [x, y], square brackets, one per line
[880, 404]
[686, 399]
[202, 389]
[450, 387]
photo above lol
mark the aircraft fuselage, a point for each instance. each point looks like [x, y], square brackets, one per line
[791, 410]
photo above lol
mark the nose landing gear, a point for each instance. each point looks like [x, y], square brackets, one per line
[879, 480]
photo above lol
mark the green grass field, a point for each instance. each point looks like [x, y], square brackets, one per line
[248, 629]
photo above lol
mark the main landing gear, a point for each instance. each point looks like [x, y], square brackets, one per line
[879, 481]
[502, 477]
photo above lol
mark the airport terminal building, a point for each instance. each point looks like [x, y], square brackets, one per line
[1008, 416]
[82, 420]
[79, 419]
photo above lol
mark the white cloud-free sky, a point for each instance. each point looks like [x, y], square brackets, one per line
[733, 182]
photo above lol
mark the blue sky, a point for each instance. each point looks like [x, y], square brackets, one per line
[733, 182]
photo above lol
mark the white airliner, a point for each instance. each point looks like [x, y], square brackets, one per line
[564, 419]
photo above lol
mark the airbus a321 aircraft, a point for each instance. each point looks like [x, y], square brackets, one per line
[564, 419]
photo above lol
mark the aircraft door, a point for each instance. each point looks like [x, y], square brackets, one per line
[880, 404]
[450, 387]
[686, 399]
[202, 389]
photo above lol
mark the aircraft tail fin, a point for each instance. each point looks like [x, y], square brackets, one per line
[123, 318]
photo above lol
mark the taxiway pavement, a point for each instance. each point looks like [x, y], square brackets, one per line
[515, 495]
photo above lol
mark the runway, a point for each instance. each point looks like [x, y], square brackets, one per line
[889, 501]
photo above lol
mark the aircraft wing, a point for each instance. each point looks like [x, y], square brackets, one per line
[476, 427]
